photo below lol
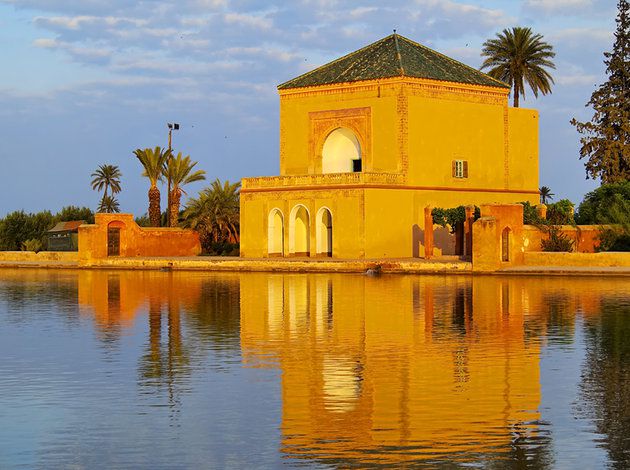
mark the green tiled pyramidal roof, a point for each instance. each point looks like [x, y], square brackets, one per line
[393, 56]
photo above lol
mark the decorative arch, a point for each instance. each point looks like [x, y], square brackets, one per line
[299, 231]
[341, 152]
[506, 241]
[324, 232]
[114, 229]
[275, 233]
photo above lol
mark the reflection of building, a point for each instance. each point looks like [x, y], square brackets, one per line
[371, 139]
[440, 365]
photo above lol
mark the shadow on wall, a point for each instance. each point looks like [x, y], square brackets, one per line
[417, 237]
[445, 241]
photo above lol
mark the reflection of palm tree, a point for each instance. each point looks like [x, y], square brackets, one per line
[151, 364]
[155, 369]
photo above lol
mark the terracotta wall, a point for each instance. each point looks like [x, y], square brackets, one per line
[585, 237]
[135, 240]
[524, 244]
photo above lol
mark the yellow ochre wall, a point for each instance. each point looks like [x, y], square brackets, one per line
[410, 131]
[345, 394]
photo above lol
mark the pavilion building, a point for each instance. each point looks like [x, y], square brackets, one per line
[370, 140]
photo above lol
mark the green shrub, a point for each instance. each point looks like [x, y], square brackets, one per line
[452, 217]
[32, 245]
[557, 241]
[530, 215]
[560, 213]
[143, 220]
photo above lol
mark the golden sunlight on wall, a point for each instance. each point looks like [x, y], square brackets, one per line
[341, 148]
[363, 370]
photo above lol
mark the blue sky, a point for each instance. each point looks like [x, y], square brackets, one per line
[86, 82]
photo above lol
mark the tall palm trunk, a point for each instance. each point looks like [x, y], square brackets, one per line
[176, 195]
[155, 213]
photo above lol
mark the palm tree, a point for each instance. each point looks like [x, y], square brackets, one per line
[545, 194]
[106, 177]
[518, 56]
[179, 170]
[153, 161]
[215, 213]
[108, 204]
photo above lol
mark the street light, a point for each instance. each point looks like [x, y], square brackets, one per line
[171, 127]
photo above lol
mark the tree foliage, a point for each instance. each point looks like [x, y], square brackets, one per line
[606, 137]
[107, 177]
[609, 205]
[18, 227]
[517, 57]
[545, 194]
[75, 213]
[452, 217]
[180, 171]
[215, 213]
[153, 162]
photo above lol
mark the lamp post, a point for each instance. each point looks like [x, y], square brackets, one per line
[171, 127]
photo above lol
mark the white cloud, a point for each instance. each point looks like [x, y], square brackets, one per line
[549, 6]
[86, 53]
[77, 22]
[253, 21]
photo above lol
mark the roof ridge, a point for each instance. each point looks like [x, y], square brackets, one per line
[450, 59]
[327, 64]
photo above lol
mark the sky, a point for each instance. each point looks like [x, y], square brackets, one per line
[86, 82]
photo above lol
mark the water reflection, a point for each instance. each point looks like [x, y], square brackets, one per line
[423, 371]
[397, 368]
[606, 378]
[207, 306]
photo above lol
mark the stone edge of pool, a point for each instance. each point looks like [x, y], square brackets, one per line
[234, 264]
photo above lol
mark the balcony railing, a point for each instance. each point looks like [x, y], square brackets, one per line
[328, 179]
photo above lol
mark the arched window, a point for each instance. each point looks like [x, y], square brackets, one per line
[275, 233]
[299, 232]
[341, 152]
[324, 232]
[505, 244]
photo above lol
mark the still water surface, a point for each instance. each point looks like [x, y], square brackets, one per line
[191, 370]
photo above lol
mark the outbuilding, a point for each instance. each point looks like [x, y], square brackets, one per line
[64, 236]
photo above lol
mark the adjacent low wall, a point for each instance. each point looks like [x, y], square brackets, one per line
[42, 256]
[134, 241]
[595, 260]
[585, 237]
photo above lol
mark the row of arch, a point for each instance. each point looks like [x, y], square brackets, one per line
[299, 234]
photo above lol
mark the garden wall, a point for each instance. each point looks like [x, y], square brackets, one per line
[43, 256]
[585, 237]
[117, 235]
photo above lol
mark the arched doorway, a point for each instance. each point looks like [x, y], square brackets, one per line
[341, 152]
[324, 232]
[113, 238]
[299, 232]
[275, 233]
[505, 244]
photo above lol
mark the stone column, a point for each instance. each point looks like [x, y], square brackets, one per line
[468, 224]
[428, 233]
